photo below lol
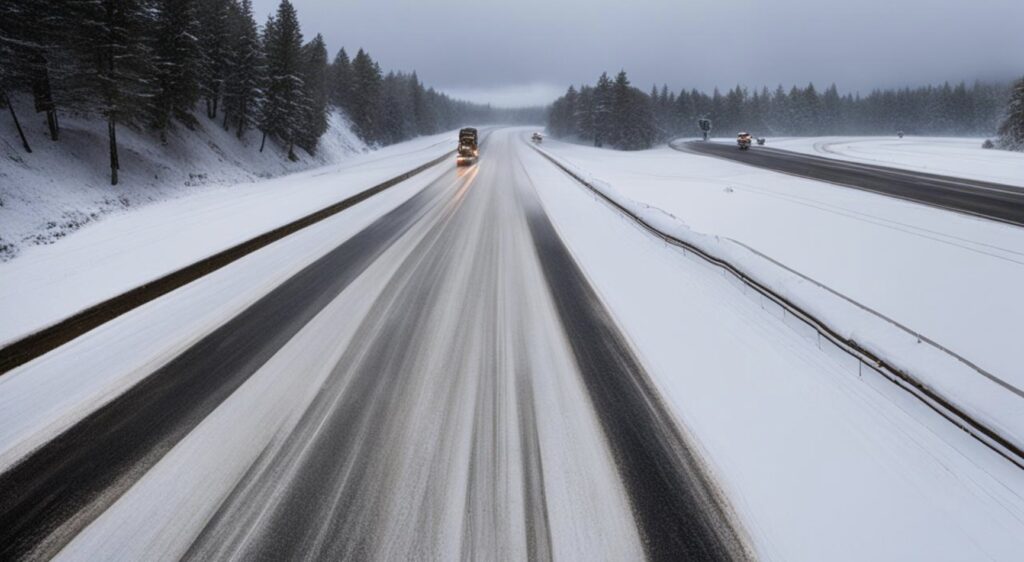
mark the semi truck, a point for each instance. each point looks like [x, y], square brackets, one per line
[469, 149]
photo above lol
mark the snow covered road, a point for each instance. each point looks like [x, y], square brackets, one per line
[485, 363]
[423, 437]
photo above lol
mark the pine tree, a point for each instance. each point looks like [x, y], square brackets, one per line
[242, 93]
[366, 97]
[584, 114]
[314, 81]
[284, 104]
[621, 100]
[1011, 131]
[11, 26]
[28, 36]
[422, 115]
[214, 41]
[177, 61]
[603, 116]
[111, 75]
[341, 80]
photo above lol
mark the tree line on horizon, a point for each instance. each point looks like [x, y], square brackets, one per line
[152, 63]
[616, 114]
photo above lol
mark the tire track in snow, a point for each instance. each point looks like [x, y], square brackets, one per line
[678, 509]
[440, 359]
[56, 490]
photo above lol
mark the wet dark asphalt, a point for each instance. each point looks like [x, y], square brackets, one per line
[989, 200]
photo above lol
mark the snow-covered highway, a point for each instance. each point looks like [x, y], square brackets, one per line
[487, 363]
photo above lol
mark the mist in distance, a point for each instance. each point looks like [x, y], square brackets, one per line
[528, 51]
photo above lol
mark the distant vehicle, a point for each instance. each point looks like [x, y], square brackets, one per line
[468, 150]
[760, 141]
[743, 140]
[899, 134]
[537, 138]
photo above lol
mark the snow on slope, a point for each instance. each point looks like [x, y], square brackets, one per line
[62, 186]
[820, 464]
[946, 156]
[952, 278]
[48, 283]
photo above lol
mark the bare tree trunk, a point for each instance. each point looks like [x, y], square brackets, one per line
[216, 101]
[291, 152]
[51, 120]
[17, 124]
[241, 118]
[112, 134]
[264, 141]
[225, 124]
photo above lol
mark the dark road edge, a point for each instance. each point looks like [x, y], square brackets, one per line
[984, 434]
[39, 343]
[987, 200]
[680, 513]
[57, 489]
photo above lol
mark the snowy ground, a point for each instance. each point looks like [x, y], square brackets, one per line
[946, 156]
[954, 279]
[62, 186]
[818, 463]
[46, 283]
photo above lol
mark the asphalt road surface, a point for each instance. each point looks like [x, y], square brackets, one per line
[989, 200]
[486, 407]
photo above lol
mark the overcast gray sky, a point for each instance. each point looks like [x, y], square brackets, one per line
[528, 51]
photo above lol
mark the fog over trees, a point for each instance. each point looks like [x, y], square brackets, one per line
[615, 114]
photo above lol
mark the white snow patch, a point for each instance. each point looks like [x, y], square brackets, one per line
[946, 156]
[819, 463]
[853, 243]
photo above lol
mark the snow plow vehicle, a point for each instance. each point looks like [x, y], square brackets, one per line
[537, 138]
[743, 140]
[468, 150]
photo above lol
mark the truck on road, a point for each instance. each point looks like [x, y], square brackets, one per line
[743, 140]
[469, 149]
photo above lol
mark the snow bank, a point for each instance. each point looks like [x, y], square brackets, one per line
[947, 156]
[48, 283]
[62, 186]
[997, 403]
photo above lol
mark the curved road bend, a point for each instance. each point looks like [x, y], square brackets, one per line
[989, 200]
[487, 408]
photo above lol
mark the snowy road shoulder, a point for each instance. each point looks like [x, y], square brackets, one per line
[948, 156]
[814, 457]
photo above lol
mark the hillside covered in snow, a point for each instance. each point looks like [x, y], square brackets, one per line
[61, 186]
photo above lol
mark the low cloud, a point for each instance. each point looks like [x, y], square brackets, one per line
[516, 95]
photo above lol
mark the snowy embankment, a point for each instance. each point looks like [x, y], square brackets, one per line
[817, 462]
[62, 186]
[903, 281]
[944, 156]
[47, 283]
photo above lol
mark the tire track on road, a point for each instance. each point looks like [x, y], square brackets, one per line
[53, 492]
[679, 511]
